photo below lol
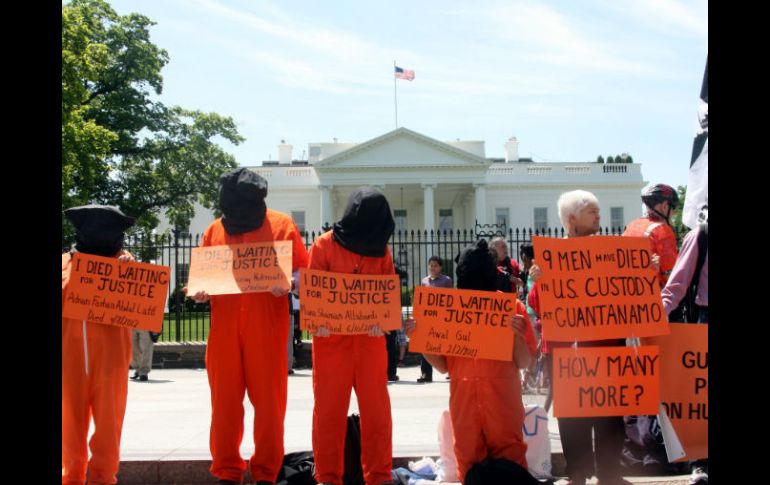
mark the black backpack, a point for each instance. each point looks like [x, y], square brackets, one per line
[499, 472]
[687, 311]
[354, 473]
[298, 469]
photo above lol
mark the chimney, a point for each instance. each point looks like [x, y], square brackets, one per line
[511, 150]
[284, 152]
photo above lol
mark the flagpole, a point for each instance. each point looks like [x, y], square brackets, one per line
[395, 92]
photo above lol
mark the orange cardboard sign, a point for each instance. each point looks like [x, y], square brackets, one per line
[240, 268]
[349, 304]
[598, 287]
[684, 385]
[605, 381]
[463, 323]
[124, 294]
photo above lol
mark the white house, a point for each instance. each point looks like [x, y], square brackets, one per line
[432, 184]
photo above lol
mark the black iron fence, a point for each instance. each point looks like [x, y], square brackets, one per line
[186, 321]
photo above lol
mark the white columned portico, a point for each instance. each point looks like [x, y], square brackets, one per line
[427, 195]
[327, 211]
[481, 203]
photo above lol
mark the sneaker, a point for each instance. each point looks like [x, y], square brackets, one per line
[135, 376]
[393, 378]
[291, 372]
[576, 481]
[425, 379]
[143, 378]
[699, 477]
[614, 481]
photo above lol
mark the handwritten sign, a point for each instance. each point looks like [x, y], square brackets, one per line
[598, 287]
[240, 268]
[463, 323]
[684, 385]
[104, 290]
[606, 381]
[349, 303]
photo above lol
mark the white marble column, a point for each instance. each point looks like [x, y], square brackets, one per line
[327, 211]
[481, 203]
[429, 220]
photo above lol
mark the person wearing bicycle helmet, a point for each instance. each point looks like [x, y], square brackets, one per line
[661, 200]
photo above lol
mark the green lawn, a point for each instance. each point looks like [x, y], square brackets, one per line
[193, 327]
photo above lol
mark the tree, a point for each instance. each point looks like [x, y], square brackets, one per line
[630, 159]
[610, 159]
[600, 159]
[676, 215]
[119, 146]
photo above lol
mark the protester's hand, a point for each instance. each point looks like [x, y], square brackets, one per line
[126, 257]
[655, 262]
[409, 326]
[321, 332]
[535, 273]
[376, 331]
[517, 283]
[518, 325]
[278, 291]
[200, 297]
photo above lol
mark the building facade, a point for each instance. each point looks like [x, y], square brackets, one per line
[435, 185]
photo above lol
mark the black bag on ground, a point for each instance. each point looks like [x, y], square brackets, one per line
[499, 472]
[354, 473]
[298, 469]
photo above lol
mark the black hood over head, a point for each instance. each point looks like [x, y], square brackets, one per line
[367, 223]
[99, 229]
[477, 268]
[242, 200]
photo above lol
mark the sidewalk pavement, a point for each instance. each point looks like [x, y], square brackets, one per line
[166, 429]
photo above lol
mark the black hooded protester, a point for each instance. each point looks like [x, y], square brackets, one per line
[358, 244]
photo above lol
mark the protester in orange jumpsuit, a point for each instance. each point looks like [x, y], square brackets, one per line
[485, 395]
[660, 201]
[95, 360]
[247, 343]
[356, 245]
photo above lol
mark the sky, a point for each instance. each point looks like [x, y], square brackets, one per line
[570, 80]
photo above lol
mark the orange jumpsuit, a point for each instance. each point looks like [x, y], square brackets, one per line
[663, 241]
[486, 407]
[342, 362]
[94, 370]
[247, 352]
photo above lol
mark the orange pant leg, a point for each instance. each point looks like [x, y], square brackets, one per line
[75, 408]
[224, 367]
[333, 375]
[371, 385]
[465, 411]
[109, 354]
[265, 359]
[503, 419]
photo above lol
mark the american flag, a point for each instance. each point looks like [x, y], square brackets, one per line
[404, 74]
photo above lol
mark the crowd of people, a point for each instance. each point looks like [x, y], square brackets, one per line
[247, 352]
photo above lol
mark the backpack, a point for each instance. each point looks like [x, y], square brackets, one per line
[354, 473]
[298, 469]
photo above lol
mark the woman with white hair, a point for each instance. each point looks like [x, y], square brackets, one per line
[579, 214]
